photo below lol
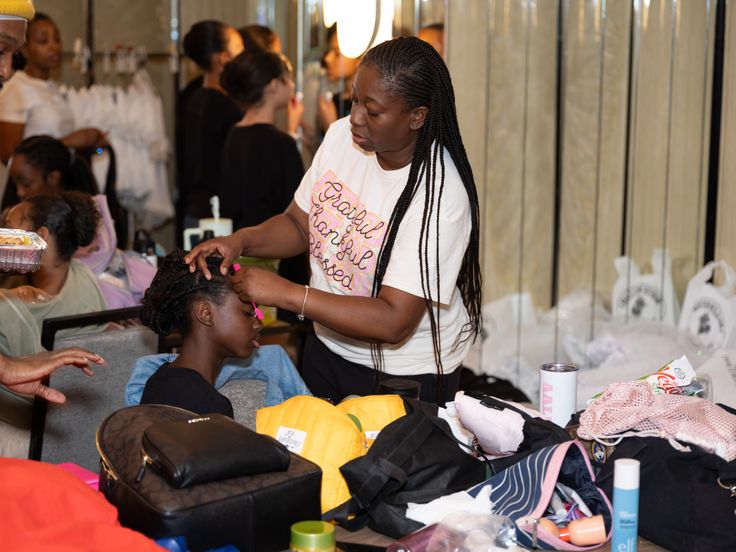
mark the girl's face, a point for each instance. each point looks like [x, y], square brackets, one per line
[30, 180]
[237, 328]
[381, 122]
[43, 48]
[337, 65]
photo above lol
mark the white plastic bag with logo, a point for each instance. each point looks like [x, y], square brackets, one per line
[718, 374]
[638, 296]
[709, 311]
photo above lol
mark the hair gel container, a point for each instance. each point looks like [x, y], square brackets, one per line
[625, 505]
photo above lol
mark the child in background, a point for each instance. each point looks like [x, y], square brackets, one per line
[214, 325]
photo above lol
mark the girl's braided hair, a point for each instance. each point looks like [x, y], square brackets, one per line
[167, 304]
[72, 219]
[412, 70]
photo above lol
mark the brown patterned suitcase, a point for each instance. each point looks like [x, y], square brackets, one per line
[251, 513]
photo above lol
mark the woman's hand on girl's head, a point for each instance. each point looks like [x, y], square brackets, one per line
[227, 247]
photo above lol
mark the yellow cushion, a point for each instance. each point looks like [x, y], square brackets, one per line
[318, 431]
[17, 8]
[374, 412]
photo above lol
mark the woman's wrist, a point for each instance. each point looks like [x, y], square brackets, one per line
[242, 243]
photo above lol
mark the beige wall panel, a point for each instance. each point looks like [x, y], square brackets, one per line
[233, 12]
[593, 144]
[540, 155]
[518, 194]
[667, 187]
[690, 139]
[467, 36]
[726, 222]
[136, 22]
[647, 183]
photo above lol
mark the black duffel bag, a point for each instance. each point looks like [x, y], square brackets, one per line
[413, 459]
[251, 512]
[687, 499]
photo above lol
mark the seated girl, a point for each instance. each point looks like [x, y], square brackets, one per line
[62, 286]
[214, 325]
[42, 165]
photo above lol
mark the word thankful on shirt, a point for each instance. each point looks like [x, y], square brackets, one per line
[344, 237]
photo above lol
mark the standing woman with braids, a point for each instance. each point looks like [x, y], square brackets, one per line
[389, 214]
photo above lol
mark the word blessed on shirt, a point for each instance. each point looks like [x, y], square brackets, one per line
[343, 236]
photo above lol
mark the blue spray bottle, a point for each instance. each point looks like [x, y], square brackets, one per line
[625, 505]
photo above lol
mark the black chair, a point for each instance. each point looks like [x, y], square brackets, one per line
[66, 432]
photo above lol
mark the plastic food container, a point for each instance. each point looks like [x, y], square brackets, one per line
[20, 251]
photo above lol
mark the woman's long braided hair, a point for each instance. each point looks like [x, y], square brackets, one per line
[412, 70]
[167, 304]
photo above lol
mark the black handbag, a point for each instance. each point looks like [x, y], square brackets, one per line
[413, 459]
[687, 500]
[208, 448]
[252, 512]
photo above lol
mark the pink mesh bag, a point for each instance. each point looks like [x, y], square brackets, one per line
[628, 409]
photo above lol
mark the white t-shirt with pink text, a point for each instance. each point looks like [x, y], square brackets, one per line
[349, 199]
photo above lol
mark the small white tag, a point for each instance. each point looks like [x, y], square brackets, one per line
[372, 434]
[292, 439]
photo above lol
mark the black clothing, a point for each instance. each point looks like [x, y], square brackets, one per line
[330, 376]
[185, 388]
[261, 169]
[208, 116]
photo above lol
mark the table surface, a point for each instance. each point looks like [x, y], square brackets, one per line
[366, 536]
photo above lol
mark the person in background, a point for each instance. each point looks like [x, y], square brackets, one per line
[434, 34]
[261, 166]
[62, 286]
[389, 214]
[42, 165]
[208, 116]
[339, 69]
[214, 325]
[31, 102]
[258, 37]
[25, 374]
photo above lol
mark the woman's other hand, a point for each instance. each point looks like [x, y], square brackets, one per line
[228, 247]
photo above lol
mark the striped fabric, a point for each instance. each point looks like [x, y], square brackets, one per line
[523, 491]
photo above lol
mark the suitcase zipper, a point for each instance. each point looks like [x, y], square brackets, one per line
[105, 463]
[146, 460]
